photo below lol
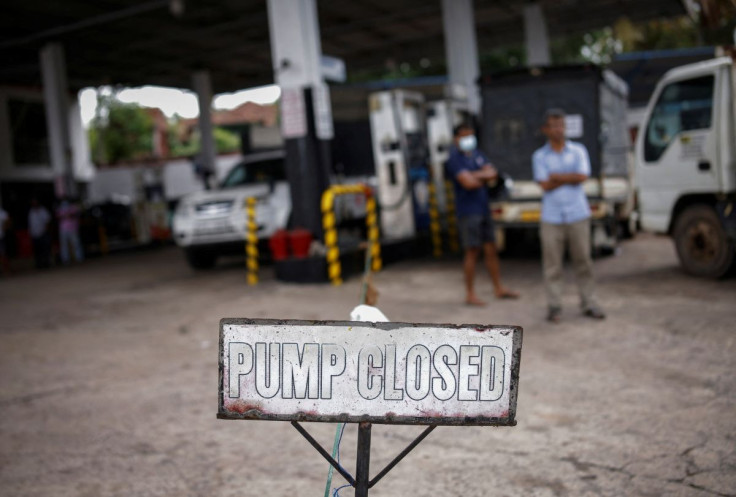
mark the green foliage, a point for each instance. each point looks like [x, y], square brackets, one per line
[226, 141]
[657, 34]
[185, 143]
[120, 131]
[181, 142]
[501, 59]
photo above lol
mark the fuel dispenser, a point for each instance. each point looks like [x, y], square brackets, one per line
[442, 117]
[400, 152]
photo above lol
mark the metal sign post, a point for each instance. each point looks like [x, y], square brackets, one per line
[389, 373]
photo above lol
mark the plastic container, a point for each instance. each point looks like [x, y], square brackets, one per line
[279, 245]
[299, 242]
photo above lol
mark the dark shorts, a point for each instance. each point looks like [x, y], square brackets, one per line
[476, 230]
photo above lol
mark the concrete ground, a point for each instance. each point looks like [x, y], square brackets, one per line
[108, 384]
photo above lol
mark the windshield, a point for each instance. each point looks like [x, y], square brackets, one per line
[255, 172]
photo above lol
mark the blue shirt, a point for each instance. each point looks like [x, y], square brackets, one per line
[467, 202]
[567, 203]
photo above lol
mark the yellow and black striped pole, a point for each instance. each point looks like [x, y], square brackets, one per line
[371, 221]
[251, 240]
[330, 229]
[334, 269]
[451, 217]
[434, 221]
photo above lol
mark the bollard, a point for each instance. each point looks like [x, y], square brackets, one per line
[334, 268]
[251, 240]
[371, 221]
[328, 224]
[451, 218]
[434, 221]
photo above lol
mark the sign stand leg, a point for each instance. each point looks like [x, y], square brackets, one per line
[361, 482]
[362, 478]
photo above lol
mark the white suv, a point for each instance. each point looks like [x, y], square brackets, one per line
[211, 223]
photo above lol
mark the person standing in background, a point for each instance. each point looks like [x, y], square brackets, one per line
[67, 215]
[38, 228]
[471, 171]
[561, 167]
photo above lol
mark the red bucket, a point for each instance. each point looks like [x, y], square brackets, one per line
[279, 244]
[24, 245]
[299, 242]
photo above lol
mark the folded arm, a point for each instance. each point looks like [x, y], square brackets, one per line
[557, 180]
[472, 180]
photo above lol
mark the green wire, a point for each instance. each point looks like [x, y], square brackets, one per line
[363, 293]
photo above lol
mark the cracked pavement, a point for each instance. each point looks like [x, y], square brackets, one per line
[108, 383]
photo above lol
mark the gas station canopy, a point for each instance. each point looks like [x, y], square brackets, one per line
[163, 42]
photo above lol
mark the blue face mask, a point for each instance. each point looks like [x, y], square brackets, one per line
[467, 143]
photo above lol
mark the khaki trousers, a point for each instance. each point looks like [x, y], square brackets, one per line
[576, 236]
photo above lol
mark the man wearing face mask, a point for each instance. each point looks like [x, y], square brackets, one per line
[471, 171]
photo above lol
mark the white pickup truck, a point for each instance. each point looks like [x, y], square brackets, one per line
[686, 164]
[212, 223]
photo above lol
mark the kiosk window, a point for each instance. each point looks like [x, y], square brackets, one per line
[682, 106]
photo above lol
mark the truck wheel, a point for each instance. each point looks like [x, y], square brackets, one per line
[199, 259]
[702, 244]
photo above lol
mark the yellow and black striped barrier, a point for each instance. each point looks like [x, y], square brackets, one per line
[434, 221]
[334, 269]
[251, 240]
[371, 221]
[451, 217]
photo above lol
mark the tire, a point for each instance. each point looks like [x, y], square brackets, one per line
[610, 230]
[701, 242]
[199, 259]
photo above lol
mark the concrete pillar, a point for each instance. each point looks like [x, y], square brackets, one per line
[203, 87]
[461, 50]
[306, 117]
[535, 36]
[56, 101]
[84, 169]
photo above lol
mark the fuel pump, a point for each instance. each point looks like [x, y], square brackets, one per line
[442, 117]
[400, 154]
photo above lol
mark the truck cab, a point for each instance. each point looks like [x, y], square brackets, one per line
[686, 165]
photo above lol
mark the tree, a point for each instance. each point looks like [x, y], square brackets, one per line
[120, 131]
[186, 142]
[226, 141]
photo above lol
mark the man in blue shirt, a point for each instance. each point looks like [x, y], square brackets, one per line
[560, 168]
[470, 172]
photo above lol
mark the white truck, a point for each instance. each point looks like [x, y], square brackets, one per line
[686, 164]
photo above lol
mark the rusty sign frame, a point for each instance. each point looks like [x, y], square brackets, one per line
[253, 412]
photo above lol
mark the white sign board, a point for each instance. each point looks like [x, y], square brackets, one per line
[396, 373]
[322, 112]
[333, 69]
[573, 126]
[293, 113]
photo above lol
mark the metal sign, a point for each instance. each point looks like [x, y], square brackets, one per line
[322, 112]
[393, 373]
[293, 113]
[333, 68]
